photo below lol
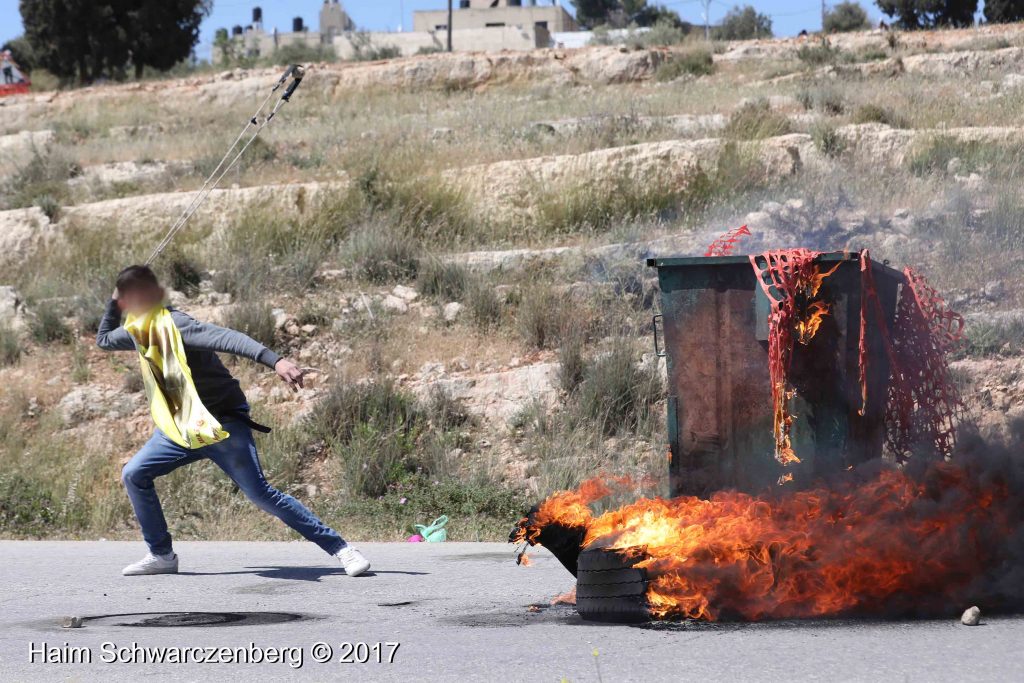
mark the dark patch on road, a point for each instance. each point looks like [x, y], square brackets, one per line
[518, 616]
[204, 619]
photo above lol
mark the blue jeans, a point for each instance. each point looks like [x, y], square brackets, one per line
[238, 458]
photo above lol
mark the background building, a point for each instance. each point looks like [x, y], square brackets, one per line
[254, 41]
[477, 26]
[476, 14]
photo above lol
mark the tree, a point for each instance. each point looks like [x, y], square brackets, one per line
[593, 13]
[846, 16]
[1003, 11]
[640, 13]
[164, 32]
[914, 14]
[744, 23]
[89, 40]
[621, 13]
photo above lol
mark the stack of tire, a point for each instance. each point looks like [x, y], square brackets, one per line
[609, 587]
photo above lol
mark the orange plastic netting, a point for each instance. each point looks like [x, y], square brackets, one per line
[922, 402]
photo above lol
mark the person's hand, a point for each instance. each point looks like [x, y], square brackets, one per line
[290, 373]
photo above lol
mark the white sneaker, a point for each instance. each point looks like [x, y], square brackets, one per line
[153, 564]
[353, 561]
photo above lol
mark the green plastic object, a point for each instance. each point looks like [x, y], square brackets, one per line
[435, 533]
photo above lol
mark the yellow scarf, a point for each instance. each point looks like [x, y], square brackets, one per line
[173, 401]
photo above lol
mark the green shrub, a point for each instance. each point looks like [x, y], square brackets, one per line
[50, 206]
[874, 113]
[693, 62]
[42, 181]
[81, 373]
[442, 280]
[826, 99]
[572, 366]
[47, 325]
[267, 250]
[421, 204]
[382, 253]
[484, 305]
[444, 412]
[426, 498]
[663, 33]
[597, 204]
[992, 339]
[372, 430]
[544, 317]
[735, 173]
[935, 154]
[10, 345]
[254, 319]
[756, 120]
[844, 17]
[827, 139]
[743, 23]
[616, 393]
[818, 54]
[26, 507]
[347, 406]
[302, 53]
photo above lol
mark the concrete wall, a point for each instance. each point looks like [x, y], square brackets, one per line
[463, 40]
[556, 18]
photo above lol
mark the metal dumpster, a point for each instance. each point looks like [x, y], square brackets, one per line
[714, 317]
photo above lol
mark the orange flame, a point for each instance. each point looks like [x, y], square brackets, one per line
[566, 598]
[890, 543]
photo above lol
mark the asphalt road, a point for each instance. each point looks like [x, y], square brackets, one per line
[460, 611]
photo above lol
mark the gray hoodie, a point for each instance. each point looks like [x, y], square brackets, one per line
[218, 390]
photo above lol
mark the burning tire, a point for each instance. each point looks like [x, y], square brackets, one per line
[610, 588]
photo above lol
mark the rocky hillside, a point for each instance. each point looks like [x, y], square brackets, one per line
[453, 246]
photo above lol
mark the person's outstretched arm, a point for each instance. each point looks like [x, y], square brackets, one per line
[210, 337]
[111, 336]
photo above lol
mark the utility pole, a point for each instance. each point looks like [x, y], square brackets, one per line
[707, 20]
[449, 25]
[824, 9]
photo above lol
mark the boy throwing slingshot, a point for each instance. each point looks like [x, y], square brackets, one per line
[201, 412]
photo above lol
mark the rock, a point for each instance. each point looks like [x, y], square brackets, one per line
[308, 330]
[71, 622]
[12, 309]
[84, 404]
[498, 396]
[394, 303]
[405, 293]
[19, 147]
[971, 616]
[995, 290]
[442, 134]
[451, 311]
[432, 371]
[954, 165]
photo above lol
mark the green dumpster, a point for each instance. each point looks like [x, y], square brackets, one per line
[714, 319]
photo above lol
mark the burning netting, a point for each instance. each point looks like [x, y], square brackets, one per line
[791, 280]
[922, 404]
